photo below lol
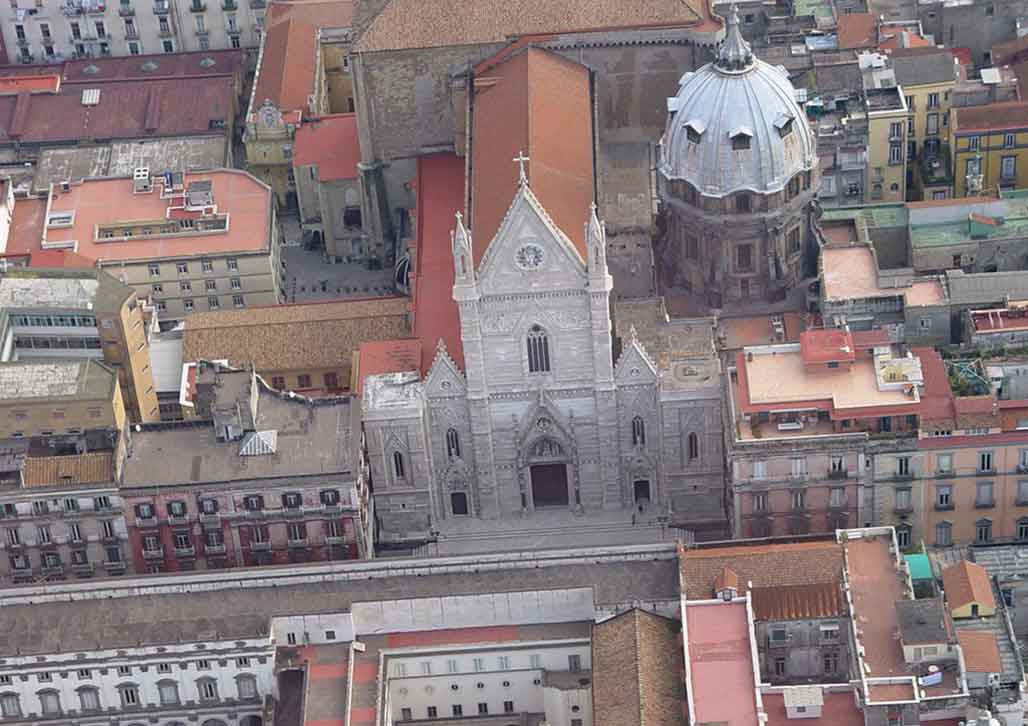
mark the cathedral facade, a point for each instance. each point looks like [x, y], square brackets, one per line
[557, 409]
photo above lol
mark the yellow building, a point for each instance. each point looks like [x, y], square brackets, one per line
[990, 142]
[298, 77]
[927, 80]
[887, 142]
[968, 591]
[59, 398]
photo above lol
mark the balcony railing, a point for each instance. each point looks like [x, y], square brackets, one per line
[83, 568]
[299, 543]
[53, 570]
[178, 518]
[197, 6]
[229, 5]
[260, 546]
[146, 522]
[838, 474]
[153, 554]
[214, 549]
[189, 551]
[209, 518]
[254, 513]
[118, 566]
[330, 540]
[161, 7]
[126, 10]
[292, 512]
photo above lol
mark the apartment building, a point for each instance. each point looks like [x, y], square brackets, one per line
[185, 242]
[74, 314]
[990, 146]
[262, 478]
[927, 80]
[887, 120]
[303, 347]
[807, 419]
[50, 31]
[61, 516]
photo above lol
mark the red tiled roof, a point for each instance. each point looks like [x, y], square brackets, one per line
[963, 56]
[162, 66]
[387, 356]
[798, 602]
[60, 258]
[726, 579]
[827, 345]
[330, 143]
[981, 652]
[993, 117]
[975, 405]
[440, 195]
[864, 339]
[50, 82]
[289, 53]
[857, 30]
[126, 110]
[905, 39]
[535, 102]
[965, 583]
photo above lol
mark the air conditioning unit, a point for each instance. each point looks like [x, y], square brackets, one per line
[141, 181]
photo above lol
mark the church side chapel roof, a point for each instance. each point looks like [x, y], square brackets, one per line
[406, 24]
[735, 124]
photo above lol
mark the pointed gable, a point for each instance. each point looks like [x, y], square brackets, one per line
[635, 365]
[444, 378]
[537, 103]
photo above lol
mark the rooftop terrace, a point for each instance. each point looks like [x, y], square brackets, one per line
[851, 273]
[86, 380]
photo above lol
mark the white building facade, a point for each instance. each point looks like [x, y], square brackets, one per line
[545, 416]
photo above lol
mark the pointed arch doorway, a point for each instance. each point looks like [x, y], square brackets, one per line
[548, 474]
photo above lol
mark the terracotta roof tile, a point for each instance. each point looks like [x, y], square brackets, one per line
[329, 143]
[765, 565]
[535, 102]
[965, 583]
[92, 468]
[419, 24]
[47, 82]
[981, 651]
[727, 579]
[839, 709]
[638, 671]
[798, 602]
[387, 356]
[286, 74]
[994, 116]
[293, 337]
[857, 30]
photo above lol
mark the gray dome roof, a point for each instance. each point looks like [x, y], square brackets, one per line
[718, 107]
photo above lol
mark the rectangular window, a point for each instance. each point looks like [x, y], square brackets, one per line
[483, 709]
[1008, 167]
[129, 696]
[984, 494]
[902, 466]
[237, 301]
[235, 283]
[903, 500]
[213, 303]
[972, 145]
[508, 707]
[944, 496]
[504, 662]
[932, 124]
[779, 666]
[457, 709]
[760, 501]
[303, 380]
[933, 100]
[406, 714]
[432, 712]
[799, 499]
[837, 498]
[1022, 492]
[759, 469]
[744, 257]
[1009, 140]
[232, 263]
[574, 663]
[983, 531]
[984, 461]
[451, 666]
[155, 270]
[479, 664]
[208, 690]
[944, 463]
[896, 130]
[182, 268]
[799, 468]
[895, 154]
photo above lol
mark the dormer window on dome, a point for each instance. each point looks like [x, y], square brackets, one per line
[741, 137]
[694, 130]
[784, 124]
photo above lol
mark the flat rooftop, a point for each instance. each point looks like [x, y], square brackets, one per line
[839, 708]
[948, 222]
[41, 292]
[850, 273]
[720, 676]
[33, 381]
[779, 377]
[310, 439]
[876, 585]
[245, 200]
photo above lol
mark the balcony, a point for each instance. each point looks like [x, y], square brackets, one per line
[189, 551]
[260, 546]
[936, 166]
[944, 506]
[96, 10]
[146, 522]
[197, 6]
[153, 554]
[83, 569]
[985, 504]
[254, 514]
[53, 570]
[838, 474]
[212, 549]
[165, 32]
[332, 510]
[902, 509]
[114, 567]
[126, 10]
[258, 4]
[178, 518]
[23, 41]
[292, 512]
[229, 6]
[985, 472]
[161, 7]
[329, 540]
[299, 543]
[209, 518]
[131, 34]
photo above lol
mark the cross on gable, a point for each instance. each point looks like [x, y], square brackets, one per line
[520, 160]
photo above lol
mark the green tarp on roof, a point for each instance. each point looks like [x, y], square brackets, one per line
[920, 567]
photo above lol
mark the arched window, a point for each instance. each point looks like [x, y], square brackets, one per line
[168, 691]
[1022, 528]
[50, 702]
[983, 530]
[247, 686]
[452, 443]
[742, 202]
[538, 350]
[398, 468]
[10, 705]
[694, 446]
[943, 534]
[89, 699]
[638, 431]
[208, 689]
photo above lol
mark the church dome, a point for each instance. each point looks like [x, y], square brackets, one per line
[735, 125]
